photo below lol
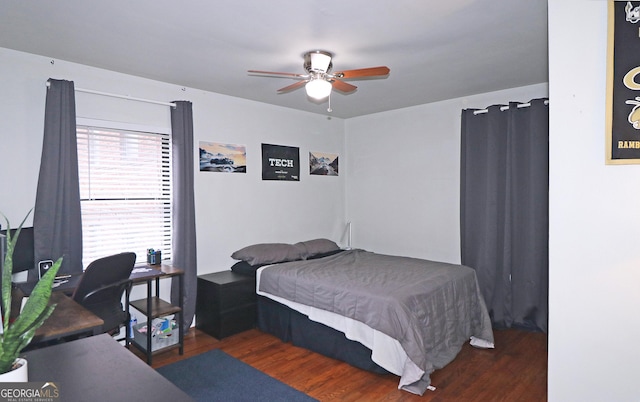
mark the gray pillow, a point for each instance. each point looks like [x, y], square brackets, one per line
[269, 253]
[317, 246]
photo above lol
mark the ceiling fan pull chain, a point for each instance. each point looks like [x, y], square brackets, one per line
[329, 108]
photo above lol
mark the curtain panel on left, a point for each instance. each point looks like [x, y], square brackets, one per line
[57, 218]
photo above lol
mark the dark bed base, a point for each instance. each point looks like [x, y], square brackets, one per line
[292, 326]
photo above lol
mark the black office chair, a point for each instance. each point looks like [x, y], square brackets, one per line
[101, 288]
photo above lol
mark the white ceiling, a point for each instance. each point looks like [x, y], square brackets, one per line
[436, 50]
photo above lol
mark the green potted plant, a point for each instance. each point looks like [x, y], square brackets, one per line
[17, 333]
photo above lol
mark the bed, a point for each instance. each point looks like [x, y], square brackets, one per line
[403, 315]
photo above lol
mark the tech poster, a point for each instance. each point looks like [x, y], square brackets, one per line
[280, 163]
[623, 83]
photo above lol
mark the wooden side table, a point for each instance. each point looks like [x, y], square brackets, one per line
[226, 303]
[153, 307]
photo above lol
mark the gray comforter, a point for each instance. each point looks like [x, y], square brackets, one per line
[431, 308]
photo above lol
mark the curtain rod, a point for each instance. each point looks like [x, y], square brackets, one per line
[91, 91]
[503, 108]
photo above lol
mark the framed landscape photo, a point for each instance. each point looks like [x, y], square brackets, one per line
[218, 157]
[323, 164]
[623, 83]
[280, 162]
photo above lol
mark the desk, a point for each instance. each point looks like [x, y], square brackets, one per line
[68, 318]
[151, 306]
[100, 369]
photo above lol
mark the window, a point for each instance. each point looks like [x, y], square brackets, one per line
[125, 191]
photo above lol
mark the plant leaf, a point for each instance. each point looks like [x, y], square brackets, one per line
[18, 334]
[7, 270]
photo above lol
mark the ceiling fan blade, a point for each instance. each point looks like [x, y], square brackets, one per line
[363, 72]
[292, 87]
[343, 86]
[277, 73]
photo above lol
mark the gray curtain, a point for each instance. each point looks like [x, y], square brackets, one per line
[57, 218]
[504, 210]
[184, 219]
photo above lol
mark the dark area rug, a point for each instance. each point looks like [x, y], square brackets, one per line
[216, 376]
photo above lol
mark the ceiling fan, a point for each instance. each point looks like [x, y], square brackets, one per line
[319, 79]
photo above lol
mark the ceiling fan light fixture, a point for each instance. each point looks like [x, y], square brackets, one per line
[320, 61]
[318, 88]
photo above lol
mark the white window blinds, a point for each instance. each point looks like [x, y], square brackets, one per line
[125, 192]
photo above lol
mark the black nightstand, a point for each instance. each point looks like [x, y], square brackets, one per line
[226, 303]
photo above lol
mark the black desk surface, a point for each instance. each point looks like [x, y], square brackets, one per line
[66, 285]
[100, 369]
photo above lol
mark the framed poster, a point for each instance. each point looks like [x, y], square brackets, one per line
[280, 162]
[217, 157]
[323, 164]
[623, 83]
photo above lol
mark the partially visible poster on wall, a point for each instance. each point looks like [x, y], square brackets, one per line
[323, 164]
[623, 83]
[218, 157]
[280, 162]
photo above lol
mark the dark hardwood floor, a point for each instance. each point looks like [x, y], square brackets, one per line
[516, 370]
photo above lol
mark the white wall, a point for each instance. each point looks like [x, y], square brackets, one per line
[403, 174]
[235, 210]
[232, 210]
[594, 258]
